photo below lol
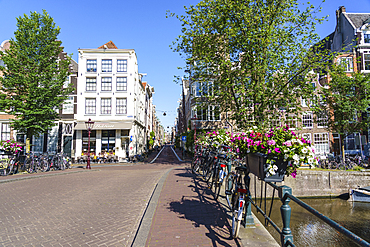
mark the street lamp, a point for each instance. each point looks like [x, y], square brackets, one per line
[89, 125]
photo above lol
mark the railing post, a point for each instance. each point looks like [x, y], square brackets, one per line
[248, 219]
[285, 214]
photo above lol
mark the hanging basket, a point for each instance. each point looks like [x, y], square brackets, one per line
[257, 165]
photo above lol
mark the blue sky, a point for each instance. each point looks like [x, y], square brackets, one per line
[141, 25]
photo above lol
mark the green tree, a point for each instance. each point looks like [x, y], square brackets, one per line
[251, 57]
[151, 139]
[32, 87]
[343, 103]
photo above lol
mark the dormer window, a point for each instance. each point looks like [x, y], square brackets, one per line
[367, 38]
[347, 63]
[367, 61]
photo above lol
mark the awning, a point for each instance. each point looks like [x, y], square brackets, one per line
[105, 125]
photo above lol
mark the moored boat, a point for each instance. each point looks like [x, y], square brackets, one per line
[360, 194]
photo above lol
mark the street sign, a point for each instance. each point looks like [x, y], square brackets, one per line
[184, 138]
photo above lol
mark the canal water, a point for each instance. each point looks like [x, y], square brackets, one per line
[308, 230]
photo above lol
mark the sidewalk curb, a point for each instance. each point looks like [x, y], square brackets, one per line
[146, 221]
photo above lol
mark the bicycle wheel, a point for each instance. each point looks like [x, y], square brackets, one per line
[235, 226]
[195, 165]
[342, 166]
[31, 167]
[229, 188]
[219, 181]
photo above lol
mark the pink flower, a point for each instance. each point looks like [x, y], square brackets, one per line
[288, 143]
[277, 150]
[294, 174]
[271, 142]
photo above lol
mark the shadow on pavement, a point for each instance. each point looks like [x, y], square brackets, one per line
[203, 210]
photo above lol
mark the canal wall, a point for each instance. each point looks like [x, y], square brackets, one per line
[310, 183]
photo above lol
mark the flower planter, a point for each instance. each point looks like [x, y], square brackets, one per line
[257, 165]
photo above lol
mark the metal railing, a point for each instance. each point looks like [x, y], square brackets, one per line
[285, 195]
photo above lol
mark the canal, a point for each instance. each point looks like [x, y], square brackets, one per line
[308, 230]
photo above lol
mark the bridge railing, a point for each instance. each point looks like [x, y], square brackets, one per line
[285, 195]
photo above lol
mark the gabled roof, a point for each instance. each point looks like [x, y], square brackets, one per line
[109, 45]
[357, 19]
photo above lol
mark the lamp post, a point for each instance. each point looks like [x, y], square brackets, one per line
[89, 125]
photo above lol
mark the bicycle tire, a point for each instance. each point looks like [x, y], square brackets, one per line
[194, 164]
[342, 166]
[235, 226]
[229, 187]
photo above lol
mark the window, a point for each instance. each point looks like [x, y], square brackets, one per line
[121, 106]
[292, 121]
[66, 82]
[202, 88]
[91, 65]
[121, 83]
[68, 106]
[106, 83]
[108, 140]
[367, 38]
[211, 113]
[214, 113]
[5, 131]
[322, 121]
[121, 65]
[91, 84]
[303, 102]
[85, 141]
[347, 63]
[90, 106]
[321, 142]
[106, 65]
[275, 120]
[367, 61]
[106, 106]
[307, 120]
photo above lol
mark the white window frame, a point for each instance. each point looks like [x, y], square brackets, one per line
[5, 131]
[346, 62]
[121, 65]
[91, 65]
[307, 117]
[121, 84]
[106, 84]
[90, 106]
[106, 65]
[121, 106]
[321, 143]
[366, 55]
[68, 106]
[106, 106]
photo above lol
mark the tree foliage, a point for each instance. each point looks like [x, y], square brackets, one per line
[343, 103]
[32, 86]
[251, 57]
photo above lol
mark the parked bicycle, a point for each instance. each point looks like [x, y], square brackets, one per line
[236, 192]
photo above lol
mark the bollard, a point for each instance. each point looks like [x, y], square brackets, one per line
[248, 219]
[285, 214]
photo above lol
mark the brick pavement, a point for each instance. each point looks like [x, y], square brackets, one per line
[100, 207]
[187, 213]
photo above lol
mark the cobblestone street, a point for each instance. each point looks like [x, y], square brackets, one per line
[98, 207]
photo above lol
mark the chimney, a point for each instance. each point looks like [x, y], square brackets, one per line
[340, 10]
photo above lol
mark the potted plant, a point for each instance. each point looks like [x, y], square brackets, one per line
[10, 147]
[273, 153]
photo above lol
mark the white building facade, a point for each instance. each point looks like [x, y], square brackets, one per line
[111, 94]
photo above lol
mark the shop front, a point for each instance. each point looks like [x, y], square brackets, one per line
[105, 138]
